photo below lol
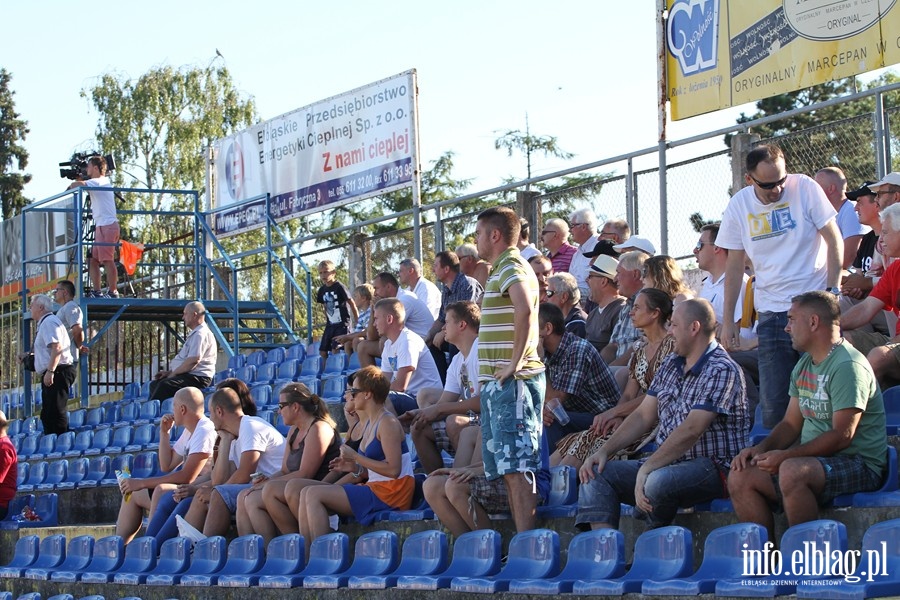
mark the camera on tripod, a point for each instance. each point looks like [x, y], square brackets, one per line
[76, 167]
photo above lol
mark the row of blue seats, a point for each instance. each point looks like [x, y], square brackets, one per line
[595, 565]
[84, 472]
[104, 440]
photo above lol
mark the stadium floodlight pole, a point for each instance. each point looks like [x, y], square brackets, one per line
[661, 83]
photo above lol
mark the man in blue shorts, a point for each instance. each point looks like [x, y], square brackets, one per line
[511, 374]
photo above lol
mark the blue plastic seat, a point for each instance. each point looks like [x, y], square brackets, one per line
[16, 505]
[888, 494]
[45, 446]
[284, 555]
[257, 357]
[174, 559]
[77, 471]
[891, 397]
[532, 554]
[598, 554]
[76, 419]
[46, 507]
[297, 351]
[275, 355]
[328, 554]
[22, 473]
[121, 437]
[475, 554]
[78, 556]
[247, 373]
[874, 578]
[353, 364]
[312, 348]
[166, 407]
[99, 442]
[123, 462]
[222, 375]
[128, 412]
[335, 364]
[83, 441]
[758, 432]
[36, 476]
[246, 555]
[106, 558]
[56, 473]
[64, 597]
[563, 498]
[32, 425]
[376, 553]
[30, 596]
[140, 557]
[51, 554]
[146, 464]
[208, 558]
[663, 553]
[132, 390]
[29, 445]
[237, 361]
[150, 411]
[24, 555]
[723, 558]
[280, 425]
[145, 390]
[64, 443]
[262, 395]
[311, 366]
[814, 533]
[265, 373]
[143, 438]
[333, 388]
[93, 418]
[424, 553]
[288, 369]
[112, 414]
[98, 470]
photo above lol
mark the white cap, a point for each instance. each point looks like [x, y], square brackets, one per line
[889, 179]
[636, 243]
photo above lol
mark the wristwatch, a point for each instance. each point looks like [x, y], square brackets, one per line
[834, 290]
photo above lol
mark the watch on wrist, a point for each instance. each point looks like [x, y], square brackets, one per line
[834, 290]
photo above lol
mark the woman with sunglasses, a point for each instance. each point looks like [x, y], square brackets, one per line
[313, 442]
[651, 313]
[383, 454]
[284, 510]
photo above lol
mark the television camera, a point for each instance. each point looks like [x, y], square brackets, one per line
[76, 167]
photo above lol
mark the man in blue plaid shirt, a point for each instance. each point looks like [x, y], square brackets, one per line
[698, 397]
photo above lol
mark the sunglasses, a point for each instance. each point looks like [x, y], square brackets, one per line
[353, 391]
[700, 245]
[283, 405]
[770, 185]
[549, 293]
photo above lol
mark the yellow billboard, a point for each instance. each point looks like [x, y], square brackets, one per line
[723, 53]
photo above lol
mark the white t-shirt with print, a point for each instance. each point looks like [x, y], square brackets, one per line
[257, 434]
[462, 374]
[410, 351]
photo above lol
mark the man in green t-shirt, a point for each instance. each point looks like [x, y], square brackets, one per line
[836, 413]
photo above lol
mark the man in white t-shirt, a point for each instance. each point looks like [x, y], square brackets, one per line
[70, 315]
[191, 452]
[195, 363]
[106, 230]
[445, 413]
[406, 361]
[412, 281]
[251, 446]
[834, 184]
[786, 226]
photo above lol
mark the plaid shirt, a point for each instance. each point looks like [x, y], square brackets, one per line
[463, 288]
[716, 384]
[624, 333]
[577, 369]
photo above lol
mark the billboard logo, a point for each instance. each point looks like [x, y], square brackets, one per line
[692, 34]
[234, 171]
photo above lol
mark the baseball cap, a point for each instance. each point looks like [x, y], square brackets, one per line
[636, 243]
[889, 179]
[602, 247]
[605, 265]
[864, 190]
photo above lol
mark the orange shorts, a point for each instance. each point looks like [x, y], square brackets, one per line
[106, 239]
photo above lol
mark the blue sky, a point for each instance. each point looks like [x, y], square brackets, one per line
[583, 71]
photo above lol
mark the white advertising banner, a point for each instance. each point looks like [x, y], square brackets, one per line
[344, 149]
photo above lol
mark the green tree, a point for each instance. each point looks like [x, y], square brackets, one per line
[13, 156]
[516, 140]
[840, 135]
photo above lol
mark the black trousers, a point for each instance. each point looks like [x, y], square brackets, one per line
[163, 389]
[54, 416]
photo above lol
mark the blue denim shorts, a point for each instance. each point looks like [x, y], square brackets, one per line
[229, 494]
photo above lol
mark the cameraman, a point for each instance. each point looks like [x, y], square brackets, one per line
[53, 360]
[106, 232]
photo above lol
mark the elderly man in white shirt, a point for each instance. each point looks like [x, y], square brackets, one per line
[195, 364]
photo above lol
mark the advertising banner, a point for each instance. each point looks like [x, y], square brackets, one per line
[722, 53]
[340, 150]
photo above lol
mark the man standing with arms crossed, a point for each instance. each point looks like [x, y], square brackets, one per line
[786, 226]
[511, 374]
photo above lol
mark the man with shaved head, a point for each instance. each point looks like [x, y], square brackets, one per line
[834, 183]
[195, 364]
[699, 400]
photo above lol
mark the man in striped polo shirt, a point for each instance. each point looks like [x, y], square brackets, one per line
[511, 374]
